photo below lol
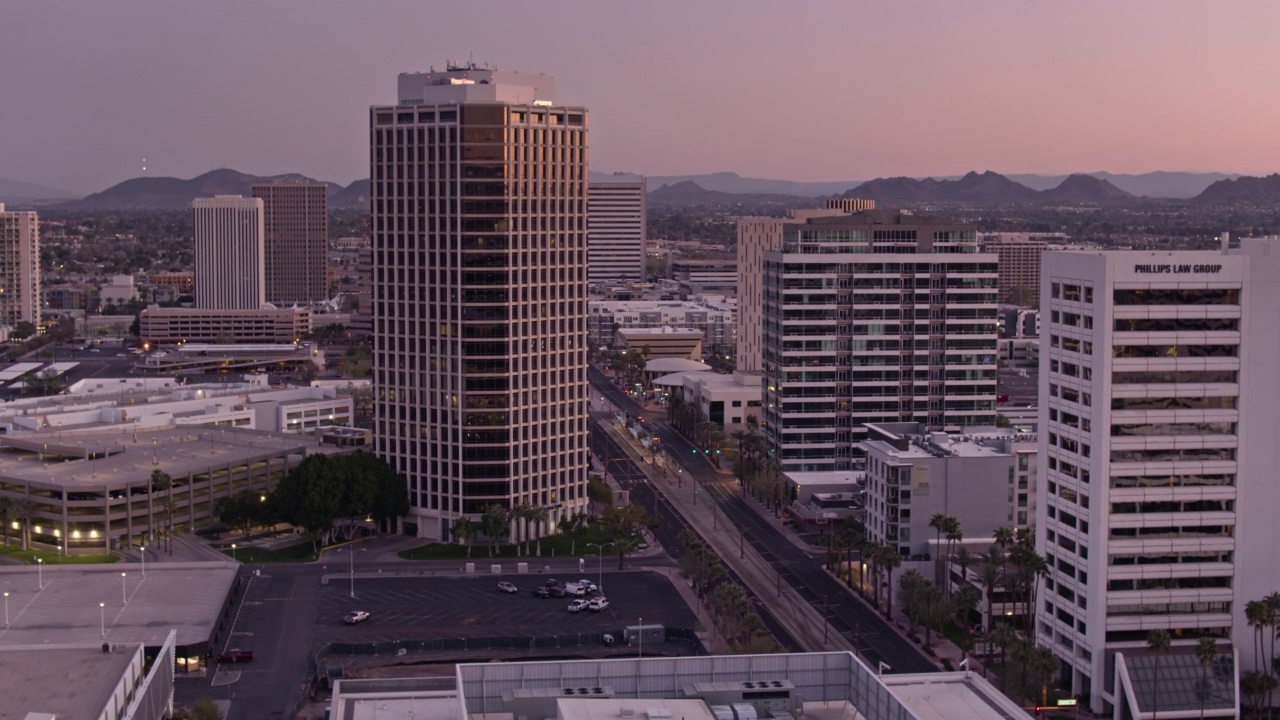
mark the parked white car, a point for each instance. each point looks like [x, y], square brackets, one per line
[578, 606]
[574, 590]
[598, 604]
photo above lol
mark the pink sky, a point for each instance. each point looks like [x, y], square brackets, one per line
[797, 90]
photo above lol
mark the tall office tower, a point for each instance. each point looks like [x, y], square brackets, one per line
[875, 317]
[296, 242]
[19, 267]
[480, 294]
[1019, 257]
[228, 265]
[616, 230]
[756, 235]
[1159, 443]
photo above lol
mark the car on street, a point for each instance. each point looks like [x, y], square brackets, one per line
[507, 587]
[540, 592]
[355, 616]
[597, 604]
[590, 586]
[235, 655]
[578, 606]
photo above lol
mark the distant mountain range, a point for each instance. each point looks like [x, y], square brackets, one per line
[15, 191]
[1098, 188]
[168, 193]
[989, 188]
[1153, 184]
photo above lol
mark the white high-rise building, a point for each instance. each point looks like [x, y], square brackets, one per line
[1159, 440]
[616, 230]
[479, 193]
[229, 270]
[874, 317]
[19, 267]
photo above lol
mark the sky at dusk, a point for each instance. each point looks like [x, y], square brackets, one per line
[811, 90]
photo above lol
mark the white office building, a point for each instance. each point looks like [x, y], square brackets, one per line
[1159, 439]
[19, 267]
[229, 261]
[616, 230]
[479, 198]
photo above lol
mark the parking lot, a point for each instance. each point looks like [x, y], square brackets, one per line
[458, 607]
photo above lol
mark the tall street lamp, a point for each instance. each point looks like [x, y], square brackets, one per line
[233, 551]
[351, 564]
[143, 550]
[124, 589]
[40, 572]
[6, 611]
[102, 611]
[600, 561]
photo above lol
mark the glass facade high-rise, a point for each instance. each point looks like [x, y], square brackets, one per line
[874, 317]
[479, 265]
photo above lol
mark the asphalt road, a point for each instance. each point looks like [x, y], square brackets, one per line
[671, 523]
[862, 625]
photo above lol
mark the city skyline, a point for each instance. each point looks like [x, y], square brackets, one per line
[988, 85]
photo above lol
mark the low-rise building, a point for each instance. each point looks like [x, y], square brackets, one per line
[984, 478]
[170, 326]
[732, 402]
[663, 342]
[694, 277]
[715, 316]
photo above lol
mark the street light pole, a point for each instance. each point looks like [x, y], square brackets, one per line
[143, 550]
[102, 610]
[6, 611]
[124, 589]
[40, 572]
[600, 562]
[640, 635]
[351, 556]
[233, 551]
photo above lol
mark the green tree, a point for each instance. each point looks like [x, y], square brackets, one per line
[1157, 645]
[1040, 666]
[495, 522]
[963, 602]
[311, 496]
[574, 527]
[1004, 637]
[6, 509]
[243, 511]
[464, 530]
[22, 331]
[22, 509]
[624, 527]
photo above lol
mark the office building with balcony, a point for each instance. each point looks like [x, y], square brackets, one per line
[1158, 438]
[874, 317]
[19, 267]
[479, 265]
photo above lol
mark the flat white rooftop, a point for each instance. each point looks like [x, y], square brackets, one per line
[63, 682]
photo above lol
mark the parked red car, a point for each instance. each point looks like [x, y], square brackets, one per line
[235, 656]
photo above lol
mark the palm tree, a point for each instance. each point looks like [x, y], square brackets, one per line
[1255, 615]
[890, 559]
[1042, 665]
[954, 535]
[574, 526]
[1206, 653]
[464, 530]
[161, 481]
[963, 602]
[939, 524]
[1272, 603]
[22, 510]
[990, 575]
[1004, 637]
[1157, 642]
[931, 601]
[910, 585]
[538, 515]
